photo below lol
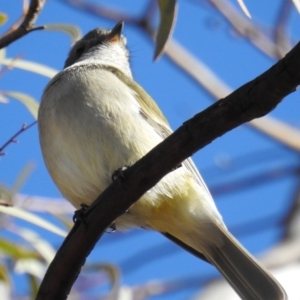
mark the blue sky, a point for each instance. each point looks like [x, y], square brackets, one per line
[240, 153]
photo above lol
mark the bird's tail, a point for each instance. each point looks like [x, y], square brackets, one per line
[242, 271]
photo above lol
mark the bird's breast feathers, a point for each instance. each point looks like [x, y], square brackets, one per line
[121, 135]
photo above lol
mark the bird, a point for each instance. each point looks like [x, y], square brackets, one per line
[94, 119]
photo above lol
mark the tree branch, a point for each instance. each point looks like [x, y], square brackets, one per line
[252, 100]
[13, 138]
[197, 70]
[281, 37]
[273, 128]
[26, 26]
[247, 28]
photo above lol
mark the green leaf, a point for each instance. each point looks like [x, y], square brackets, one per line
[71, 30]
[31, 218]
[64, 219]
[3, 18]
[3, 99]
[111, 270]
[31, 266]
[31, 66]
[34, 284]
[4, 274]
[113, 274]
[244, 8]
[168, 13]
[5, 196]
[45, 250]
[2, 55]
[27, 100]
[14, 251]
[21, 179]
[297, 5]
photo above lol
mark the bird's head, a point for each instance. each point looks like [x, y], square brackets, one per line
[101, 46]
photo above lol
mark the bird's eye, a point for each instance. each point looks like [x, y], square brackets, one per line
[79, 51]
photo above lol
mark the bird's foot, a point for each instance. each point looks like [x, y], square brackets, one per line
[119, 173]
[79, 215]
[177, 167]
[111, 228]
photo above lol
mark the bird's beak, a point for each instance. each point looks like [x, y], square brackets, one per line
[115, 33]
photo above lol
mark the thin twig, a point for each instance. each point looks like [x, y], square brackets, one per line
[270, 126]
[13, 138]
[252, 100]
[26, 26]
[195, 68]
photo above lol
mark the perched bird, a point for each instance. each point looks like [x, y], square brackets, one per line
[94, 119]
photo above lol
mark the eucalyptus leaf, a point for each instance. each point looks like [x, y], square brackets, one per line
[22, 178]
[114, 277]
[34, 284]
[5, 196]
[168, 13]
[4, 274]
[297, 5]
[27, 100]
[31, 218]
[44, 249]
[2, 55]
[71, 30]
[31, 266]
[3, 18]
[3, 99]
[5, 291]
[244, 8]
[14, 251]
[31, 66]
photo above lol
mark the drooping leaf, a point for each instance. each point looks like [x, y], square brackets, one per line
[111, 270]
[4, 274]
[21, 179]
[71, 30]
[297, 5]
[31, 218]
[244, 8]
[113, 274]
[41, 245]
[31, 266]
[14, 251]
[168, 13]
[3, 18]
[31, 66]
[2, 55]
[5, 196]
[3, 99]
[64, 219]
[5, 285]
[27, 100]
[34, 284]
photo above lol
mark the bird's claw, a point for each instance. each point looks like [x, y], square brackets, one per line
[119, 173]
[79, 215]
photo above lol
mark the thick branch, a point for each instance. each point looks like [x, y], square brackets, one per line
[197, 70]
[26, 26]
[252, 100]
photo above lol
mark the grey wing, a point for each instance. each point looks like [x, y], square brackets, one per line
[164, 132]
